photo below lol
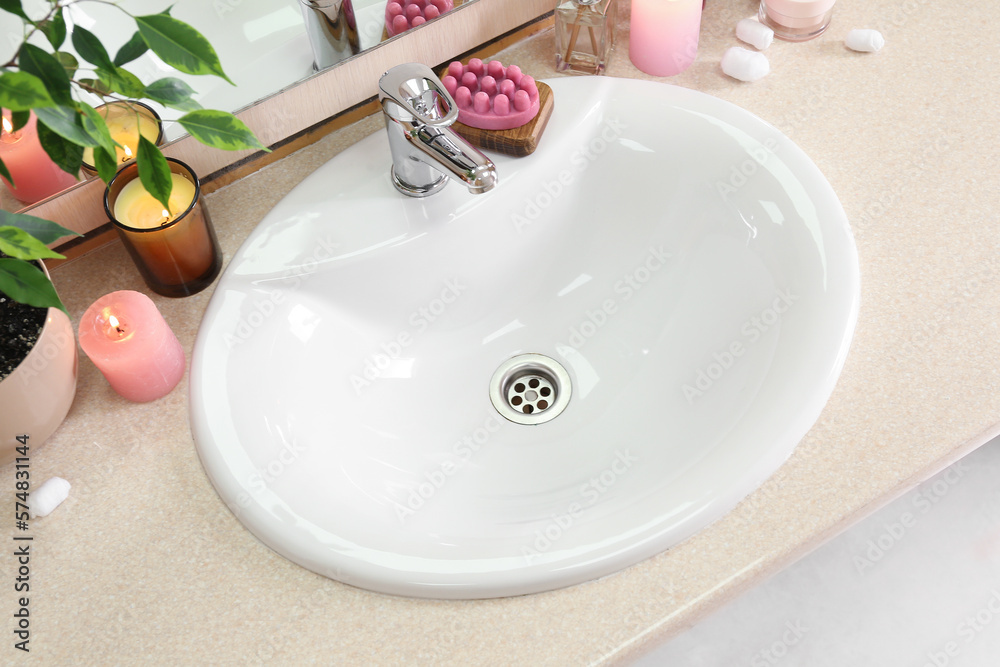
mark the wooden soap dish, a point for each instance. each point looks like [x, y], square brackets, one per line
[519, 141]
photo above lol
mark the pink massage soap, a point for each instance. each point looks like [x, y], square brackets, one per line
[401, 15]
[491, 96]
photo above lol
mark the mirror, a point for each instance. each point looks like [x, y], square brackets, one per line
[262, 44]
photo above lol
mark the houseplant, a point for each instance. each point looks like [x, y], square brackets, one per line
[45, 79]
[37, 350]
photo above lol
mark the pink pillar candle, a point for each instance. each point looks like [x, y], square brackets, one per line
[35, 175]
[128, 340]
[663, 35]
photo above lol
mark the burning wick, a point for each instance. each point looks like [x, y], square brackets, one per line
[113, 321]
[128, 154]
[7, 127]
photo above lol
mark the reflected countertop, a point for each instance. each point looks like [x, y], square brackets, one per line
[145, 563]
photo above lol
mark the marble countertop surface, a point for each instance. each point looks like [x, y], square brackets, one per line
[144, 562]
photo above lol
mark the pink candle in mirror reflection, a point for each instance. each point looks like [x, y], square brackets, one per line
[663, 35]
[128, 340]
[35, 175]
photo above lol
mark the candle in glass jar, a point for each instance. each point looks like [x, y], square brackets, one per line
[35, 175]
[174, 248]
[796, 20]
[663, 35]
[126, 121]
[128, 340]
[138, 209]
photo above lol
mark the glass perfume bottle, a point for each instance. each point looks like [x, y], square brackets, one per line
[585, 35]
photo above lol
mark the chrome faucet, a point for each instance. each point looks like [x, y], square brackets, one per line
[332, 30]
[425, 150]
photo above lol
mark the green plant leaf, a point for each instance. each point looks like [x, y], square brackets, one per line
[67, 155]
[96, 127]
[219, 129]
[20, 91]
[154, 171]
[132, 49]
[14, 7]
[172, 93]
[19, 119]
[55, 29]
[34, 60]
[97, 85]
[6, 173]
[122, 81]
[25, 283]
[67, 123]
[91, 49]
[179, 45]
[44, 230]
[68, 61]
[19, 244]
[106, 164]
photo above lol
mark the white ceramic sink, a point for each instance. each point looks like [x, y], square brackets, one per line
[687, 265]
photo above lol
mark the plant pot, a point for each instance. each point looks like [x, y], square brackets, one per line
[35, 398]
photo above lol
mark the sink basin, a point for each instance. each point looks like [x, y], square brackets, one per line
[685, 267]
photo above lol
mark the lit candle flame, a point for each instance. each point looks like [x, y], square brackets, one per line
[166, 215]
[7, 127]
[113, 321]
[128, 154]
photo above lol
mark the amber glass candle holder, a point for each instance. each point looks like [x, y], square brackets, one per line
[126, 121]
[176, 253]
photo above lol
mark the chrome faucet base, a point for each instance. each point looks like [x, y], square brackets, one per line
[417, 190]
[333, 35]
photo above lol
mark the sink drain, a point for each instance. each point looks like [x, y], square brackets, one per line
[530, 389]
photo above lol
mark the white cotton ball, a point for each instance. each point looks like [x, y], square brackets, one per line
[745, 65]
[755, 33]
[47, 497]
[864, 40]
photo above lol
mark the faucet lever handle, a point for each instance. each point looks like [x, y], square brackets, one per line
[412, 92]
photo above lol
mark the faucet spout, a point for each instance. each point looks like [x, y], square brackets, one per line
[425, 150]
[453, 156]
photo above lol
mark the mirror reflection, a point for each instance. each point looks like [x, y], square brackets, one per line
[264, 45]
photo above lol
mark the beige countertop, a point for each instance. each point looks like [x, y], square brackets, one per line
[144, 562]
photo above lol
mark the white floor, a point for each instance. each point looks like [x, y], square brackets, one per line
[916, 584]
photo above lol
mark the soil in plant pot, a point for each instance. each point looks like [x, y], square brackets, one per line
[20, 327]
